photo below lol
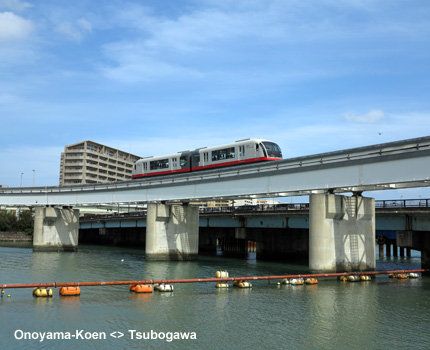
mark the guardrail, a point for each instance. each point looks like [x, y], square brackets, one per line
[264, 208]
[403, 203]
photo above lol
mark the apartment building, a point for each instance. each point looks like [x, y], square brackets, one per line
[90, 162]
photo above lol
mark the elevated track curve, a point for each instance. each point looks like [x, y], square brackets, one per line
[394, 165]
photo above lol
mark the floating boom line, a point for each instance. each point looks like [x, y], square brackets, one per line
[200, 280]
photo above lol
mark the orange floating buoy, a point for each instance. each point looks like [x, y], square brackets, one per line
[70, 291]
[141, 288]
[311, 281]
[402, 276]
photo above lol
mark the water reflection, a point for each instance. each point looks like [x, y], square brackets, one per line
[330, 315]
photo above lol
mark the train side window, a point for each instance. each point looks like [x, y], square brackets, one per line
[164, 164]
[159, 164]
[231, 153]
[257, 146]
[221, 154]
[174, 162]
[183, 161]
[206, 157]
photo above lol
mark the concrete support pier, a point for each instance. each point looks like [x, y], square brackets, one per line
[55, 229]
[418, 240]
[341, 233]
[172, 232]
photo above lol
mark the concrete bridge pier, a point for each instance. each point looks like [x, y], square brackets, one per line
[417, 240]
[172, 232]
[56, 229]
[341, 233]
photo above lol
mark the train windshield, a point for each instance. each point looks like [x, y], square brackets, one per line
[273, 150]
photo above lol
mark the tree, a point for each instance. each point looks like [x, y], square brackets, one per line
[8, 221]
[24, 223]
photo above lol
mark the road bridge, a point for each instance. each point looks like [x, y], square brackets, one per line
[341, 227]
[270, 226]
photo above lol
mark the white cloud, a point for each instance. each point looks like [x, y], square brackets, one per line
[135, 64]
[75, 31]
[294, 38]
[84, 25]
[201, 39]
[372, 116]
[14, 27]
[15, 5]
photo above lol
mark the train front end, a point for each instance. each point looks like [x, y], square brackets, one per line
[272, 150]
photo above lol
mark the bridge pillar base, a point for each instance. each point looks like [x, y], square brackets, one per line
[55, 229]
[425, 261]
[341, 233]
[172, 232]
[418, 240]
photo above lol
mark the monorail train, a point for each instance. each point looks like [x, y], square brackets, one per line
[240, 152]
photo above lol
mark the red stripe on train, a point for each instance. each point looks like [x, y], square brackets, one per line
[187, 170]
[211, 166]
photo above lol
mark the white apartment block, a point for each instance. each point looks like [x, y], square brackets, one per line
[90, 162]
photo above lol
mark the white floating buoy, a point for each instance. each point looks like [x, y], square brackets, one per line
[244, 284]
[163, 287]
[297, 281]
[221, 274]
[414, 275]
[353, 278]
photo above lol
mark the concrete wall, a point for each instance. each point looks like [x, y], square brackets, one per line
[172, 232]
[342, 233]
[56, 229]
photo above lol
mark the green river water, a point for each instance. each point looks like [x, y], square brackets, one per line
[381, 314]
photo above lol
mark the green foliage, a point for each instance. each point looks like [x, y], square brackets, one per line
[8, 221]
[24, 223]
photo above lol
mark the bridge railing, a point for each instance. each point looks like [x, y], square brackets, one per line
[403, 203]
[255, 208]
[264, 208]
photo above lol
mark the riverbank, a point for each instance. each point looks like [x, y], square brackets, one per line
[15, 237]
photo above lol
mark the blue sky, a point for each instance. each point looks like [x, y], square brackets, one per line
[159, 76]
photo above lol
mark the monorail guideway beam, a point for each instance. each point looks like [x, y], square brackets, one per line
[341, 233]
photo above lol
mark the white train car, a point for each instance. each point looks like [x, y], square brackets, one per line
[240, 152]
